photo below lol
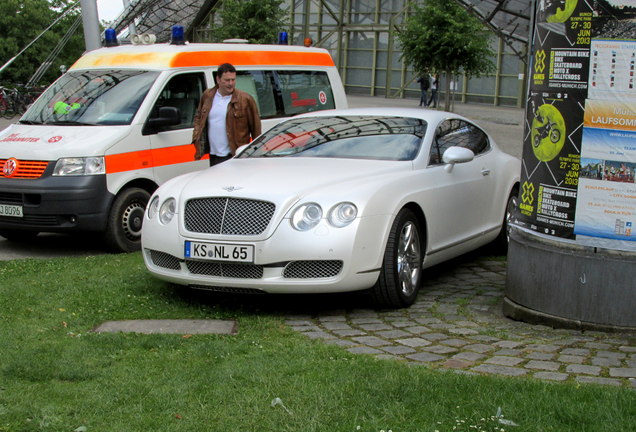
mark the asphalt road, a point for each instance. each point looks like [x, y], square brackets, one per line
[504, 124]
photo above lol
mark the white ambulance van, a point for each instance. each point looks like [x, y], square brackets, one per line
[90, 151]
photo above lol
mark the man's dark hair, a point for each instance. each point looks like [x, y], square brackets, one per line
[225, 67]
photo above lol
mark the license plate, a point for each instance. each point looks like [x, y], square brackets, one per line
[219, 251]
[10, 210]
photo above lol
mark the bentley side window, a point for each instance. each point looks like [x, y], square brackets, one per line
[459, 133]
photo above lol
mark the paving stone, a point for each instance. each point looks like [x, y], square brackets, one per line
[606, 361]
[366, 320]
[398, 349]
[425, 357]
[504, 361]
[455, 363]
[414, 342]
[551, 376]
[336, 325]
[371, 341]
[440, 349]
[364, 350]
[374, 327]
[623, 372]
[509, 352]
[597, 345]
[480, 348]
[598, 380]
[393, 334]
[454, 342]
[435, 336]
[611, 354]
[418, 329]
[319, 335]
[583, 369]
[463, 331]
[627, 349]
[333, 318]
[349, 333]
[499, 370]
[508, 344]
[543, 365]
[341, 342]
[572, 359]
[576, 351]
[542, 347]
[469, 356]
[540, 356]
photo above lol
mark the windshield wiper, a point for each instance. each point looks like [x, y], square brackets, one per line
[30, 122]
[70, 123]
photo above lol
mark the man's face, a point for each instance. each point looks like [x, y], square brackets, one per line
[226, 83]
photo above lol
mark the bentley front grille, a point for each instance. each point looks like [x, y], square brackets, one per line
[312, 269]
[226, 270]
[162, 259]
[228, 216]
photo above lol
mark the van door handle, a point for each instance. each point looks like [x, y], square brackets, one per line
[485, 171]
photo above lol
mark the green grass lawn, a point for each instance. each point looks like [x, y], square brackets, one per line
[57, 375]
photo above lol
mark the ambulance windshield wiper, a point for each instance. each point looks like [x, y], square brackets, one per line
[30, 122]
[70, 123]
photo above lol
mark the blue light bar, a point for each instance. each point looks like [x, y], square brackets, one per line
[110, 37]
[178, 37]
[282, 38]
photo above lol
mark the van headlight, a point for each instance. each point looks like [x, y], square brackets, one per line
[306, 216]
[80, 166]
[167, 210]
[342, 214]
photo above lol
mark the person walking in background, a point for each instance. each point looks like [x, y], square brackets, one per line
[434, 86]
[425, 83]
[226, 118]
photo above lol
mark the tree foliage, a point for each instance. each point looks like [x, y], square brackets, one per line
[442, 36]
[21, 21]
[258, 21]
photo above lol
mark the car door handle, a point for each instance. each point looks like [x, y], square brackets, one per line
[485, 171]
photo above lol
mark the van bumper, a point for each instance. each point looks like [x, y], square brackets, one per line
[56, 204]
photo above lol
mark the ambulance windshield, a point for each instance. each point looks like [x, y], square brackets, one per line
[95, 97]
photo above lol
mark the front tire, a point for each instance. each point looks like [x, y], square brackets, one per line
[123, 231]
[401, 273]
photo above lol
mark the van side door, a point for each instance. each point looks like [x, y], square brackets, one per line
[170, 145]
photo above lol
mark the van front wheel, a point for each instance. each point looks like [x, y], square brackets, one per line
[123, 231]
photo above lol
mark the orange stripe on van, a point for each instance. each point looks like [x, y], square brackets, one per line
[251, 58]
[145, 159]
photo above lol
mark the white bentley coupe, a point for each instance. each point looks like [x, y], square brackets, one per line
[332, 201]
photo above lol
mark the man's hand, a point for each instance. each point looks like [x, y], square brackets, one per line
[198, 154]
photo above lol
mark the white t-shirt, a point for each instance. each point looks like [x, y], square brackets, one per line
[217, 135]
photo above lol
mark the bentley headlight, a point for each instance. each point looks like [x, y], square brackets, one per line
[306, 216]
[153, 207]
[79, 166]
[342, 214]
[167, 210]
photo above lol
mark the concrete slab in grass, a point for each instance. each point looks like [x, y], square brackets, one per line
[183, 326]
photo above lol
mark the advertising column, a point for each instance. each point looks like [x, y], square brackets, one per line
[577, 203]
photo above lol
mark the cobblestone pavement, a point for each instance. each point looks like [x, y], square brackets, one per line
[457, 323]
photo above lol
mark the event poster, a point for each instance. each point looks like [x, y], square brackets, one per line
[579, 156]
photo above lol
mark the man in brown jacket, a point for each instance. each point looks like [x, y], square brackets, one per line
[226, 118]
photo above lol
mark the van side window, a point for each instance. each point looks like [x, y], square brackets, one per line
[305, 91]
[456, 132]
[287, 93]
[182, 92]
[259, 84]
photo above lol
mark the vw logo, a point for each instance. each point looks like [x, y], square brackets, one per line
[10, 167]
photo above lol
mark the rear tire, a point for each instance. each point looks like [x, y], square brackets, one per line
[500, 244]
[401, 273]
[123, 231]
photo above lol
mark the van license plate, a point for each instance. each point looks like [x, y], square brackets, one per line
[219, 251]
[10, 210]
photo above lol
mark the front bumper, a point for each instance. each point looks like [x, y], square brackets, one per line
[322, 260]
[57, 204]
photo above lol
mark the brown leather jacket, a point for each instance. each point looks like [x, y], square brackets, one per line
[243, 121]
